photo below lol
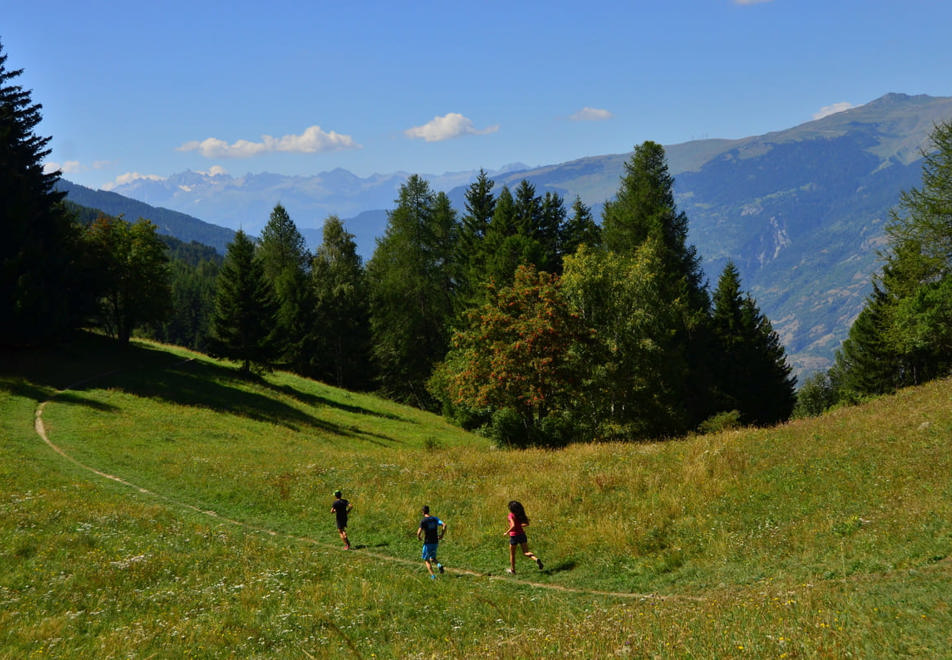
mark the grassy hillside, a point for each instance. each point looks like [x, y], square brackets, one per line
[820, 538]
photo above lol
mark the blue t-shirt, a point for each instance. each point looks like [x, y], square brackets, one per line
[431, 529]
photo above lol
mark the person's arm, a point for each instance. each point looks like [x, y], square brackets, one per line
[512, 525]
[442, 530]
[350, 505]
[419, 532]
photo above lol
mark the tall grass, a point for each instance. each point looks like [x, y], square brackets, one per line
[819, 538]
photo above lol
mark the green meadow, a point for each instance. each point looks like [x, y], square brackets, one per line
[181, 510]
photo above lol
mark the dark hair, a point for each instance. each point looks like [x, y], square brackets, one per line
[426, 509]
[519, 511]
[337, 493]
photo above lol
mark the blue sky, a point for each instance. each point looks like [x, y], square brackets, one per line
[155, 88]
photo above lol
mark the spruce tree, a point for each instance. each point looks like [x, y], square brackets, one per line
[579, 229]
[40, 247]
[342, 340]
[643, 210]
[245, 319]
[471, 248]
[752, 374]
[285, 260]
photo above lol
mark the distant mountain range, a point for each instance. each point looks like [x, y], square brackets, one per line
[800, 211]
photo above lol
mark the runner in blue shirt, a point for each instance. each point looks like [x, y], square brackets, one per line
[431, 530]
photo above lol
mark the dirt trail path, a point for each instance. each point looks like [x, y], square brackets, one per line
[40, 428]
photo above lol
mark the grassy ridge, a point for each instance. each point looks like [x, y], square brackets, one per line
[814, 539]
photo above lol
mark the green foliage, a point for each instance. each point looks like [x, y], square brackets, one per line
[519, 359]
[131, 266]
[192, 303]
[644, 208]
[751, 372]
[637, 366]
[471, 254]
[40, 298]
[580, 229]
[902, 337]
[285, 261]
[342, 337]
[722, 421]
[411, 279]
[245, 319]
[816, 395]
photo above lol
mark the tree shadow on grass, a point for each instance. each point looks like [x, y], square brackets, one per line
[90, 361]
[317, 401]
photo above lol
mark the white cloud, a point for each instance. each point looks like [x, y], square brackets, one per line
[828, 110]
[214, 170]
[448, 126]
[312, 140]
[591, 114]
[130, 177]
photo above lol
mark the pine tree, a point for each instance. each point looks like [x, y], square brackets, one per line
[752, 374]
[471, 247]
[40, 246]
[245, 319]
[342, 342]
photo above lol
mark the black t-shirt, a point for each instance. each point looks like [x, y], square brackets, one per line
[431, 529]
[340, 508]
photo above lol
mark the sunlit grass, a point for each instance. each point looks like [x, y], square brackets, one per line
[815, 539]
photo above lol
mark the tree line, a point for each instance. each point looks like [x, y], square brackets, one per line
[518, 315]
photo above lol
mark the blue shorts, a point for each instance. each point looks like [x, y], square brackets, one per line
[518, 538]
[429, 551]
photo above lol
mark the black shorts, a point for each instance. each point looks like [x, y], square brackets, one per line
[518, 538]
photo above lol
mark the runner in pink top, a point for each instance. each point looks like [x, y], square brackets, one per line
[517, 536]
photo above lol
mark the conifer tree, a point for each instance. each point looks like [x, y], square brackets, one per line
[40, 247]
[903, 337]
[411, 290]
[471, 250]
[644, 209]
[752, 374]
[579, 229]
[342, 340]
[865, 363]
[549, 232]
[245, 319]
[285, 260]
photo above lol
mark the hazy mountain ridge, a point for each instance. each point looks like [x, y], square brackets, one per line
[801, 211]
[171, 223]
